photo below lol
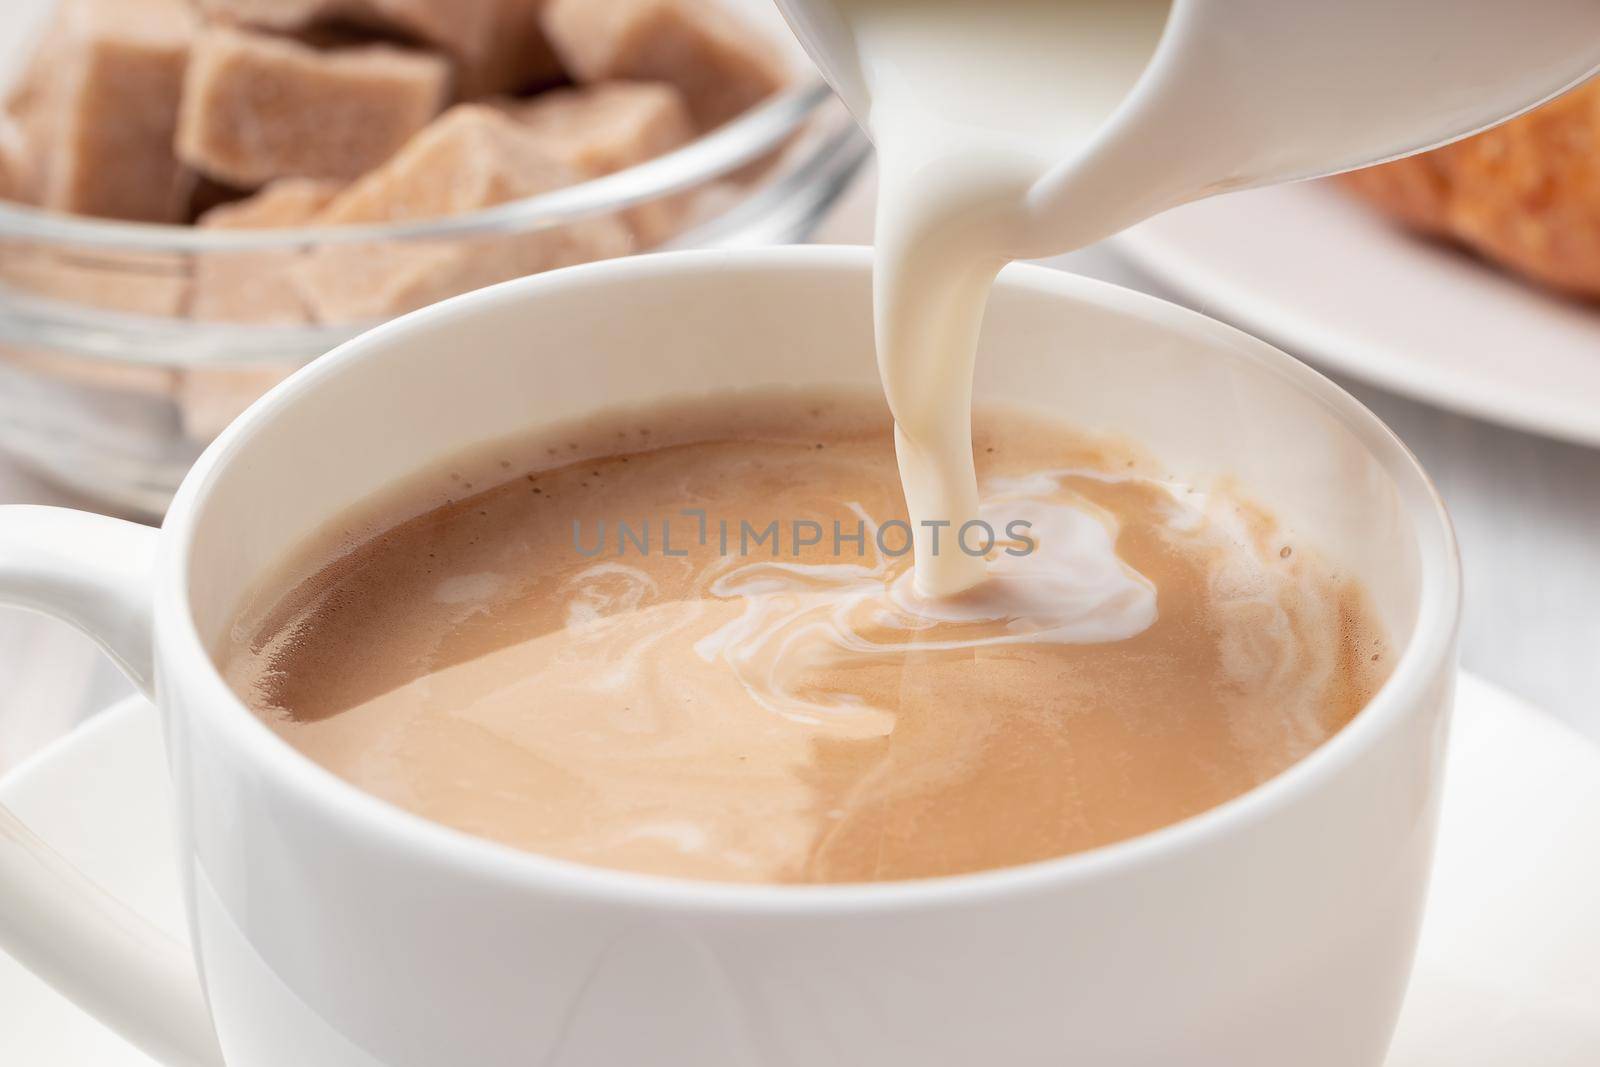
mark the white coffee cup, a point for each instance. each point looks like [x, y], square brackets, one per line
[333, 929]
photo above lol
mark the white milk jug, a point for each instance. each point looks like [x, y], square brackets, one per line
[1014, 129]
[1147, 104]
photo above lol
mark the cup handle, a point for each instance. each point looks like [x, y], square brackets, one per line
[95, 573]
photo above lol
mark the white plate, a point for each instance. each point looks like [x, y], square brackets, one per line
[1321, 274]
[1509, 970]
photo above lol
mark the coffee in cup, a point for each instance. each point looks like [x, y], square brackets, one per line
[684, 640]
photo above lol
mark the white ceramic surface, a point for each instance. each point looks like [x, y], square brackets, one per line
[1508, 971]
[1310, 268]
[1243, 93]
[333, 929]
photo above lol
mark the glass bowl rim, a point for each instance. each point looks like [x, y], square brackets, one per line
[740, 141]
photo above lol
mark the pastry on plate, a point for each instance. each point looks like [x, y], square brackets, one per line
[1525, 195]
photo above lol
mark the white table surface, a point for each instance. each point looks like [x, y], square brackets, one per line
[1527, 511]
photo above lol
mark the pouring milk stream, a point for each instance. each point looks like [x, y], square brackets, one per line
[1014, 129]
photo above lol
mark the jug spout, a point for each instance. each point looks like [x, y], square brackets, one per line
[1243, 93]
[825, 34]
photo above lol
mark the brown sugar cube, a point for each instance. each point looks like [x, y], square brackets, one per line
[207, 193]
[472, 157]
[97, 108]
[515, 57]
[455, 26]
[118, 394]
[721, 65]
[11, 180]
[43, 56]
[272, 14]
[601, 129]
[253, 285]
[257, 107]
[369, 284]
[497, 45]
[210, 398]
[285, 203]
[130, 283]
[25, 130]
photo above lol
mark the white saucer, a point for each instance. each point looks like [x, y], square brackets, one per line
[1509, 970]
[1317, 272]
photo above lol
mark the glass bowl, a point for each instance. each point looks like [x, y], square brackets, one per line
[115, 372]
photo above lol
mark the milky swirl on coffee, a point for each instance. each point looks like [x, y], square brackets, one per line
[799, 617]
[970, 106]
[706, 709]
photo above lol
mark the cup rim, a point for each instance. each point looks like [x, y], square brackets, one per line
[1425, 656]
